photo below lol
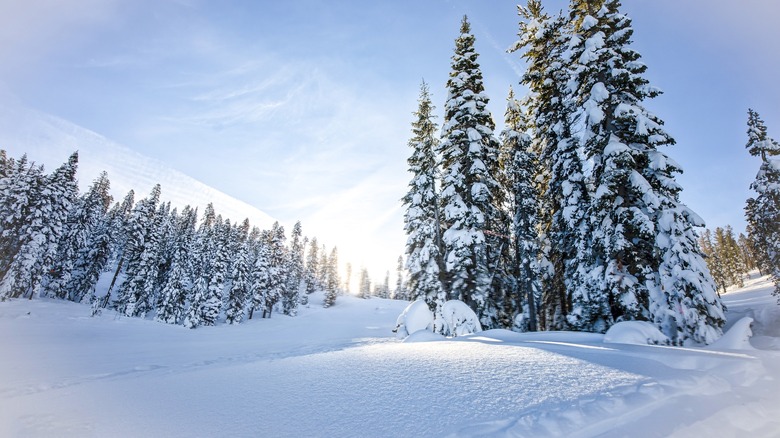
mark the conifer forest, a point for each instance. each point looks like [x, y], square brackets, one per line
[569, 218]
[546, 276]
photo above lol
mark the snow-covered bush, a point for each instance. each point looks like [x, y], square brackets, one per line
[459, 319]
[635, 332]
[415, 317]
[455, 319]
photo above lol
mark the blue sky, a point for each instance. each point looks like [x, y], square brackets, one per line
[302, 108]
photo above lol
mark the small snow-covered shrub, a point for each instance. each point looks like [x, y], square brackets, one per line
[635, 332]
[737, 338]
[459, 319]
[415, 317]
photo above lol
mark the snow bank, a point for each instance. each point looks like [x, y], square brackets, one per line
[635, 332]
[424, 336]
[737, 338]
[415, 317]
[459, 319]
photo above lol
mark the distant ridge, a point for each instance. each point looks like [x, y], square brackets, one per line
[49, 140]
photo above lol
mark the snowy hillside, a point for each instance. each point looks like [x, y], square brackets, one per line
[50, 140]
[340, 372]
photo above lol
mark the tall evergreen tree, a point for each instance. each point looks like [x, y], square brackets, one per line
[313, 267]
[278, 269]
[135, 296]
[91, 239]
[239, 288]
[118, 224]
[422, 219]
[763, 211]
[521, 168]
[331, 278]
[401, 292]
[260, 278]
[364, 284]
[475, 235]
[292, 296]
[173, 296]
[543, 41]
[644, 261]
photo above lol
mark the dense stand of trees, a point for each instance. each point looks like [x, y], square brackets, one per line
[154, 260]
[570, 218]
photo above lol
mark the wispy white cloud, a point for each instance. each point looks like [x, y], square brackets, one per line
[31, 29]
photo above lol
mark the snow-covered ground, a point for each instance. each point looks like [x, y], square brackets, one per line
[341, 372]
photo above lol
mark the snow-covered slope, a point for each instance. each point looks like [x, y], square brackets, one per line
[50, 140]
[341, 372]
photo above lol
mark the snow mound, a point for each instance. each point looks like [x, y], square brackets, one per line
[737, 338]
[459, 319]
[635, 332]
[415, 317]
[424, 336]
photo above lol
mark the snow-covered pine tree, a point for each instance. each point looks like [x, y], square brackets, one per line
[617, 136]
[260, 277]
[292, 295]
[201, 251]
[520, 169]
[41, 231]
[6, 164]
[304, 291]
[763, 212]
[543, 40]
[364, 284]
[239, 288]
[135, 296]
[385, 290]
[476, 227]
[198, 305]
[278, 269]
[90, 236]
[401, 291]
[118, 218]
[332, 278]
[166, 224]
[644, 262]
[312, 267]
[422, 221]
[206, 301]
[173, 296]
[322, 273]
[221, 259]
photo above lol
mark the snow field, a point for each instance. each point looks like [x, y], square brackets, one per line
[341, 372]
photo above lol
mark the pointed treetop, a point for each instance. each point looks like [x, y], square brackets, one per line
[758, 141]
[534, 9]
[465, 27]
[585, 7]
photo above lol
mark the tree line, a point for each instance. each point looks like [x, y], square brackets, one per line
[157, 261]
[570, 217]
